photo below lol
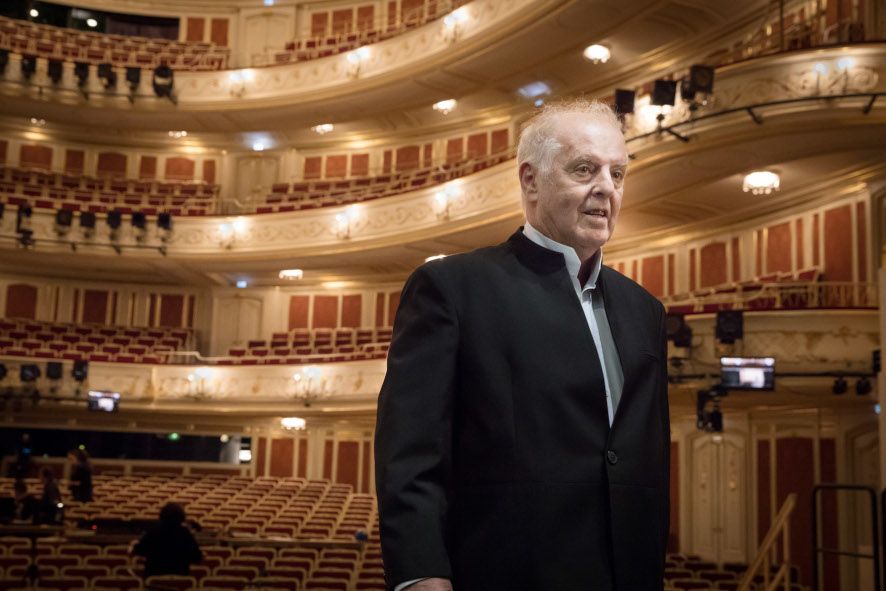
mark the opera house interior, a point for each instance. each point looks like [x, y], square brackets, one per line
[209, 209]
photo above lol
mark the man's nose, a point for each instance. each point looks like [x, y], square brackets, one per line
[603, 184]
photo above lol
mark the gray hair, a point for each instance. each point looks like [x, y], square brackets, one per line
[538, 144]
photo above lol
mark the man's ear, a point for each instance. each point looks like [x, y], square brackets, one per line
[529, 181]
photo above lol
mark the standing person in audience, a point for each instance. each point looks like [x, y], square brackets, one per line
[81, 476]
[169, 548]
[523, 438]
[51, 500]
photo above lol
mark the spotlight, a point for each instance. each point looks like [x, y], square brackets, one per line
[54, 70]
[664, 92]
[54, 370]
[107, 75]
[139, 220]
[863, 386]
[23, 226]
[840, 386]
[624, 101]
[678, 331]
[164, 221]
[87, 223]
[115, 218]
[133, 76]
[80, 371]
[729, 326]
[81, 71]
[701, 79]
[4, 60]
[2, 371]
[29, 373]
[29, 66]
[63, 220]
[163, 82]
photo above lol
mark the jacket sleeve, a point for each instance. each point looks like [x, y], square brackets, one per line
[413, 436]
[666, 431]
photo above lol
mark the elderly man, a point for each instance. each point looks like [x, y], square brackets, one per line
[523, 438]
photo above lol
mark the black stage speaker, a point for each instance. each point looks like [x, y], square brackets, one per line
[730, 326]
[624, 101]
[664, 92]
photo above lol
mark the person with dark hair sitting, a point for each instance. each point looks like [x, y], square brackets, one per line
[51, 500]
[169, 547]
[81, 476]
[27, 507]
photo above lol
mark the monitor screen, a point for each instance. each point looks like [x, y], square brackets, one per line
[103, 401]
[747, 373]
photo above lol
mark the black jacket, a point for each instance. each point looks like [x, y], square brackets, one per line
[168, 550]
[496, 465]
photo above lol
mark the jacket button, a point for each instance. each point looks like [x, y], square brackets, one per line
[611, 457]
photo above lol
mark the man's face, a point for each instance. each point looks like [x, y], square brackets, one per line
[577, 203]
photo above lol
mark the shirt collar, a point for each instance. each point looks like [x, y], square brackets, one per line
[573, 263]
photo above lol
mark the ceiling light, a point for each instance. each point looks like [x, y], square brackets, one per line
[597, 54]
[293, 423]
[34, 13]
[323, 128]
[534, 90]
[436, 257]
[242, 284]
[761, 182]
[258, 147]
[445, 106]
[38, 122]
[245, 456]
[91, 22]
[291, 274]
[178, 134]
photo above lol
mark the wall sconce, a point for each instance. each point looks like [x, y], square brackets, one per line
[343, 222]
[197, 382]
[443, 202]
[454, 23]
[355, 60]
[308, 385]
[230, 230]
[238, 80]
[293, 423]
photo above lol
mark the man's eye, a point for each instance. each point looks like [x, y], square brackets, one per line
[618, 175]
[583, 169]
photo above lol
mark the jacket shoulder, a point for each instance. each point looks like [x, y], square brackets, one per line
[627, 287]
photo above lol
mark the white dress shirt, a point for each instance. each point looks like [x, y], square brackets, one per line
[595, 314]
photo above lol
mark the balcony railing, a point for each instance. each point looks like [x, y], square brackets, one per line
[788, 295]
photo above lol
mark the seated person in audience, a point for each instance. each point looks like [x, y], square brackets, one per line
[81, 476]
[50, 509]
[169, 548]
[27, 507]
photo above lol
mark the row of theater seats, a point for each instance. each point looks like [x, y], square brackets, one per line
[313, 194]
[66, 566]
[317, 345]
[50, 42]
[691, 573]
[53, 190]
[92, 342]
[788, 290]
[317, 47]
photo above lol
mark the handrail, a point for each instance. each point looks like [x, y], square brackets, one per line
[768, 548]
[780, 295]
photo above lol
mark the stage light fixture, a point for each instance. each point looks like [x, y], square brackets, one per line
[80, 371]
[678, 331]
[729, 326]
[163, 82]
[81, 71]
[29, 373]
[87, 223]
[54, 370]
[699, 80]
[840, 386]
[29, 66]
[133, 77]
[54, 70]
[23, 226]
[115, 218]
[3, 371]
[139, 220]
[624, 101]
[863, 387]
[63, 220]
[664, 93]
[4, 60]
[164, 221]
[107, 75]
